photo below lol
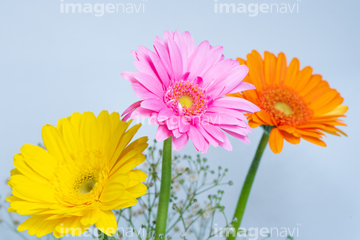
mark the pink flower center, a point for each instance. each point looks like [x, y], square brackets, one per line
[186, 98]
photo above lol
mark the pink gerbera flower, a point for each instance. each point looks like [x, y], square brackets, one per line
[184, 87]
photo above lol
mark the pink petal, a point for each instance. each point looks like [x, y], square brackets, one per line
[162, 133]
[165, 114]
[153, 104]
[129, 76]
[127, 116]
[196, 62]
[221, 119]
[214, 57]
[189, 41]
[180, 142]
[197, 139]
[217, 73]
[164, 56]
[231, 112]
[226, 144]
[235, 129]
[178, 38]
[147, 69]
[207, 136]
[142, 92]
[184, 125]
[160, 69]
[230, 79]
[154, 119]
[152, 84]
[214, 132]
[176, 60]
[244, 139]
[243, 86]
[198, 81]
[141, 113]
[236, 103]
[176, 133]
[173, 122]
[131, 108]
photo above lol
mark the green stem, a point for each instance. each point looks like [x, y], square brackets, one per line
[164, 191]
[245, 191]
[102, 235]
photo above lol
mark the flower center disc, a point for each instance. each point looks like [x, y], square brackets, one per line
[189, 95]
[285, 106]
[87, 186]
[186, 101]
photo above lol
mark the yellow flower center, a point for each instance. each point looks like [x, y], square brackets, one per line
[192, 98]
[285, 106]
[86, 186]
[84, 182]
[186, 101]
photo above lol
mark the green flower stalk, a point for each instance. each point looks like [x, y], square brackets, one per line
[164, 191]
[249, 180]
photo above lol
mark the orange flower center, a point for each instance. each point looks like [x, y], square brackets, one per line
[186, 98]
[285, 106]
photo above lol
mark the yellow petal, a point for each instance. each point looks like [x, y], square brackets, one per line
[125, 139]
[89, 134]
[54, 142]
[138, 190]
[115, 185]
[71, 136]
[105, 129]
[136, 177]
[39, 160]
[107, 223]
[91, 217]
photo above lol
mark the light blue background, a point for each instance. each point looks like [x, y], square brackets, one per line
[53, 64]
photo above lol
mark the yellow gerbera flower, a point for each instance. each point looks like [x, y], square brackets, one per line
[86, 171]
[296, 103]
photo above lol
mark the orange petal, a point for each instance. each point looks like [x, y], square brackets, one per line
[281, 69]
[314, 140]
[302, 78]
[276, 141]
[241, 61]
[264, 116]
[253, 124]
[326, 102]
[292, 72]
[290, 137]
[309, 133]
[320, 89]
[287, 128]
[255, 72]
[313, 82]
[269, 66]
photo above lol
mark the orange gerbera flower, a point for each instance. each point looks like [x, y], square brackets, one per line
[296, 103]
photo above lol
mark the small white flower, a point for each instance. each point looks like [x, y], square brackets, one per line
[193, 177]
[176, 187]
[206, 214]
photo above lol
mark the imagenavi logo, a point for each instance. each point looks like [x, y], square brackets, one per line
[253, 9]
[99, 9]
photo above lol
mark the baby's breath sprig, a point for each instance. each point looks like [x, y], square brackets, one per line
[192, 179]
